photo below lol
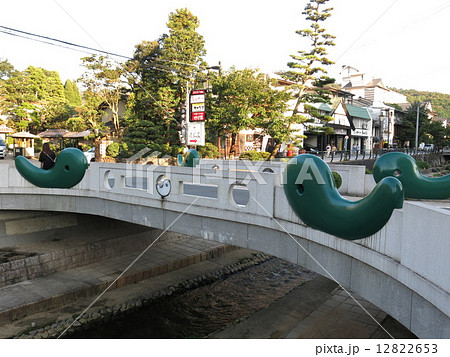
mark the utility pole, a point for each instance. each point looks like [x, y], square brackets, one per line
[417, 128]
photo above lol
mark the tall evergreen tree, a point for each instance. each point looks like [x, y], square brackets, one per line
[72, 93]
[6, 69]
[408, 131]
[307, 70]
[163, 68]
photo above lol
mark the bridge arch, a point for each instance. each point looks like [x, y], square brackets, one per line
[403, 269]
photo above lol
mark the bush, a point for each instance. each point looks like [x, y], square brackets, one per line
[209, 151]
[337, 179]
[255, 155]
[422, 165]
[113, 149]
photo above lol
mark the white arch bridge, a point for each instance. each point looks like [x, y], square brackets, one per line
[403, 269]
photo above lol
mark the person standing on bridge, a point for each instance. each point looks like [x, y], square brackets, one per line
[47, 157]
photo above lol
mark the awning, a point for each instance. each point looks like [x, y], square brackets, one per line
[53, 133]
[24, 135]
[73, 135]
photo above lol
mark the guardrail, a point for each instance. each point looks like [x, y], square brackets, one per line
[347, 155]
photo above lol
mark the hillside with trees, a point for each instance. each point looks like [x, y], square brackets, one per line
[440, 102]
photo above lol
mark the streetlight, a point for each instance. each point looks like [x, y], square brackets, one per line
[417, 128]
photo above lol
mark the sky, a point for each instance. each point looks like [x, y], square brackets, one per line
[404, 42]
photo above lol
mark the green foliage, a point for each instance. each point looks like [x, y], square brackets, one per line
[437, 133]
[105, 78]
[408, 132]
[210, 151]
[163, 66]
[307, 68]
[243, 99]
[76, 124]
[440, 102]
[72, 94]
[6, 69]
[422, 165]
[113, 149]
[35, 96]
[337, 179]
[255, 155]
[37, 144]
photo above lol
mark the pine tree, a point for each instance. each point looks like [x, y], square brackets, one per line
[307, 70]
[72, 93]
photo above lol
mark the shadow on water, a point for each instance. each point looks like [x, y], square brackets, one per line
[206, 309]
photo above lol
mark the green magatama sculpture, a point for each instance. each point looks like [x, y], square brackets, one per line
[191, 158]
[416, 185]
[312, 194]
[69, 169]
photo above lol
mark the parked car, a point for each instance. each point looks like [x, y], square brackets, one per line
[312, 149]
[428, 147]
[2, 149]
[90, 154]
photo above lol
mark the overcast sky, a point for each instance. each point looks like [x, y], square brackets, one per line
[404, 42]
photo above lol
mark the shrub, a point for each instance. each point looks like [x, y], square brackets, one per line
[337, 179]
[209, 151]
[422, 165]
[255, 155]
[113, 149]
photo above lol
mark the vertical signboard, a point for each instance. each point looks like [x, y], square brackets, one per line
[196, 133]
[197, 116]
[197, 103]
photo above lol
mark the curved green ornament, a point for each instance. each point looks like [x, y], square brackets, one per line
[312, 194]
[416, 185]
[69, 169]
[191, 158]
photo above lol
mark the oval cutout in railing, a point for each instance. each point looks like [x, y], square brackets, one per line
[240, 194]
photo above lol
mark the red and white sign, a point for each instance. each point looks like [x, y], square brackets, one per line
[197, 105]
[198, 116]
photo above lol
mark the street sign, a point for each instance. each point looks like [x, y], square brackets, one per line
[196, 133]
[199, 116]
[197, 105]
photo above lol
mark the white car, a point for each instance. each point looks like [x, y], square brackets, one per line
[2, 149]
[90, 154]
[428, 147]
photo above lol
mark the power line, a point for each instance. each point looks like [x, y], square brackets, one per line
[36, 37]
[81, 48]
[436, 11]
[365, 31]
[64, 44]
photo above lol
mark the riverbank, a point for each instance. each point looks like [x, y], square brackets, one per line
[307, 305]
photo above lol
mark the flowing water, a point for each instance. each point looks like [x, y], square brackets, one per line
[206, 309]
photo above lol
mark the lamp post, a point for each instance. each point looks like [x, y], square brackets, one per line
[382, 124]
[417, 128]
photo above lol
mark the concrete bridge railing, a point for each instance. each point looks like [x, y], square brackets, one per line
[403, 268]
